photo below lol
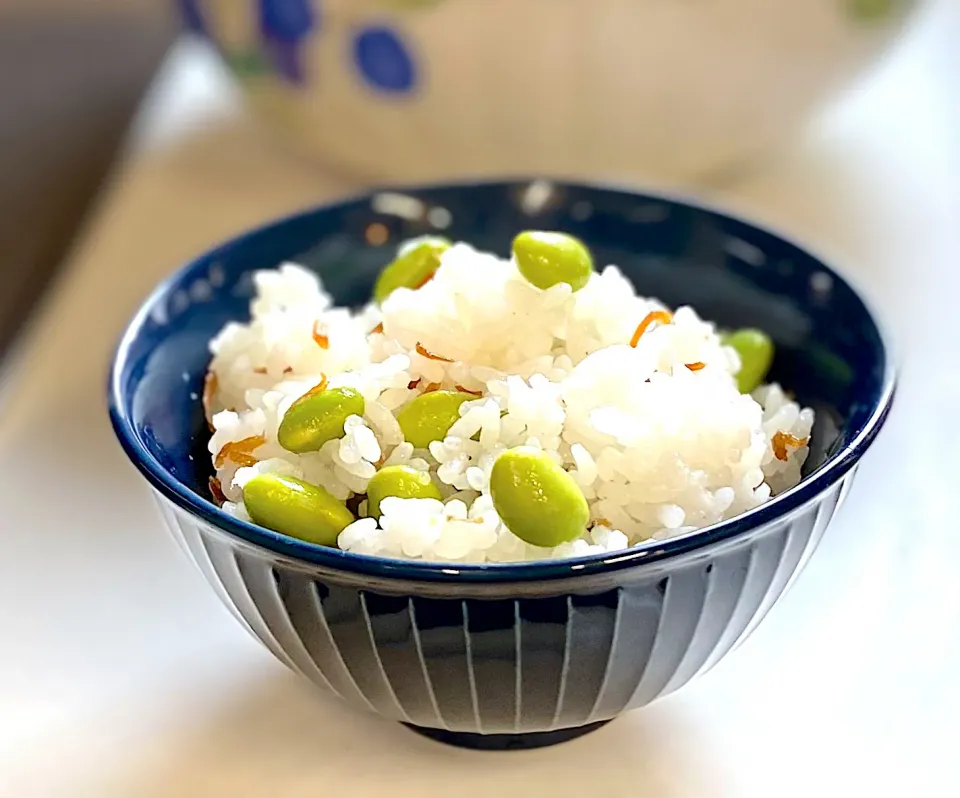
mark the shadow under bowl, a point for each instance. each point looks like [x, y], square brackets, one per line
[508, 656]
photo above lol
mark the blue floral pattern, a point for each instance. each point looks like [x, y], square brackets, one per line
[192, 18]
[284, 25]
[381, 58]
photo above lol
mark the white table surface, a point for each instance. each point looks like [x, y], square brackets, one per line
[121, 675]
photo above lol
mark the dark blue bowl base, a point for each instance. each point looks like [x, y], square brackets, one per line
[506, 742]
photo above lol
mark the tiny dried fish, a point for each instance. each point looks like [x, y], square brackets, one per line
[661, 316]
[318, 388]
[321, 339]
[216, 490]
[239, 451]
[781, 440]
[430, 355]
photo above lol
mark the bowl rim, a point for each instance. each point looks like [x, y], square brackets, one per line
[772, 511]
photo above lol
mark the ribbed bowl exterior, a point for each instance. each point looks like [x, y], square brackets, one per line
[508, 658]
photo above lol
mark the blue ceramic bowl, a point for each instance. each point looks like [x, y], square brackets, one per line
[510, 655]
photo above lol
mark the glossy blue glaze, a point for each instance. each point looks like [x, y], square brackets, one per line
[503, 650]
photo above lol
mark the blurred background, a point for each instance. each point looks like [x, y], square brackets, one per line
[697, 93]
[134, 134]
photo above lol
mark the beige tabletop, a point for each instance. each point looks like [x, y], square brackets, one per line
[121, 675]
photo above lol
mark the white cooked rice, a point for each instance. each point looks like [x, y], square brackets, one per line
[657, 449]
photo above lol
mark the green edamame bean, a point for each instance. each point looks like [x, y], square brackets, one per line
[313, 420]
[546, 259]
[756, 355]
[537, 500]
[295, 508]
[411, 268]
[428, 417]
[401, 481]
